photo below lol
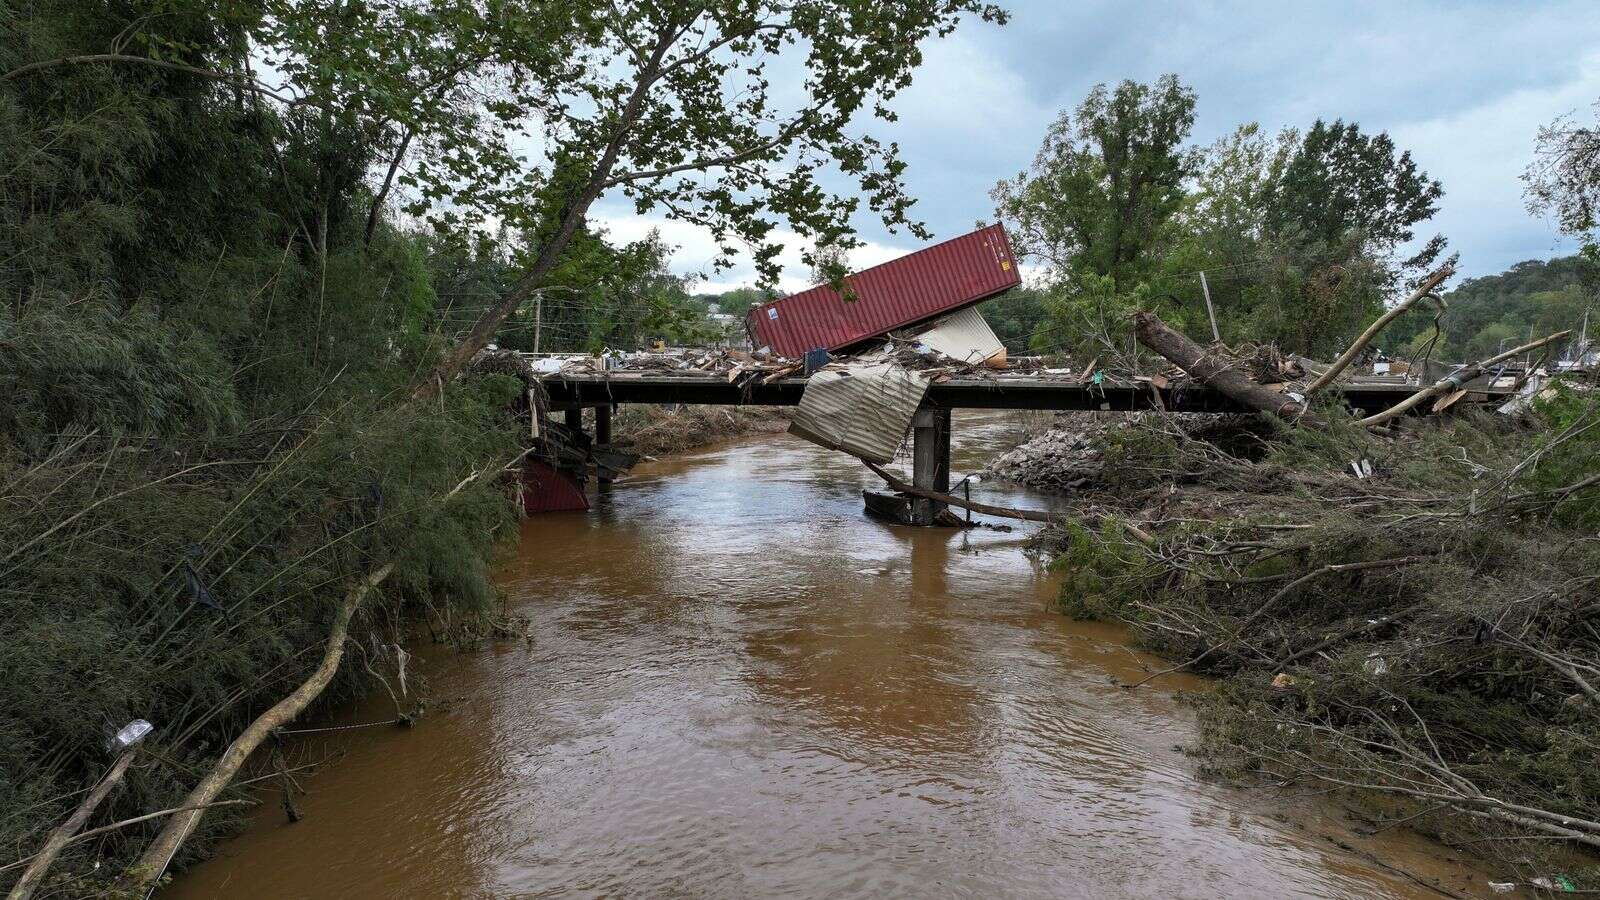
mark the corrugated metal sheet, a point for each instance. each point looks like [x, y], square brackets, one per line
[863, 407]
[916, 287]
[965, 336]
[548, 489]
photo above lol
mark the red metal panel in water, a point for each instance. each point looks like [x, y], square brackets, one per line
[547, 489]
[916, 287]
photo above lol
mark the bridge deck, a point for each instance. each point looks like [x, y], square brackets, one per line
[567, 391]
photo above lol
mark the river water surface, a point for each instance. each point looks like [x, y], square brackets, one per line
[736, 685]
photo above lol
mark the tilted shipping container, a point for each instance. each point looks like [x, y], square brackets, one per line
[914, 288]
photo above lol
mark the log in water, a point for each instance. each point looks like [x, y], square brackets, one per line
[737, 685]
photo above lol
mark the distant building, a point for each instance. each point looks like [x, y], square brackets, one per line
[730, 330]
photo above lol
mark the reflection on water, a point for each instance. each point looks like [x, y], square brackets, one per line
[738, 686]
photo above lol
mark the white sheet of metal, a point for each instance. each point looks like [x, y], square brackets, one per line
[862, 407]
[966, 337]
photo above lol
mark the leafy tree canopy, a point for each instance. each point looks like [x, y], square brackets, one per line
[1105, 181]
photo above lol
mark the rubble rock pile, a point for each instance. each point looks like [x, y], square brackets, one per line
[1065, 457]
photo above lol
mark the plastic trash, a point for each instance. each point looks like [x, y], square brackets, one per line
[1561, 884]
[131, 733]
[1502, 887]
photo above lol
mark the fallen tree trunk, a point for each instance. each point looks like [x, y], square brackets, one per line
[1348, 356]
[152, 864]
[1456, 379]
[62, 836]
[1215, 371]
[1004, 512]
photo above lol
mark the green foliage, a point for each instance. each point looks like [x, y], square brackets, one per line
[1339, 181]
[1548, 296]
[1104, 183]
[1015, 315]
[1563, 180]
[1568, 453]
[1296, 233]
[632, 97]
[1468, 658]
[199, 355]
[1100, 572]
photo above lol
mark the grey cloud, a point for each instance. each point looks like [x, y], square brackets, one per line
[1463, 85]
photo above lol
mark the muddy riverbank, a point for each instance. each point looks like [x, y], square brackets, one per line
[736, 685]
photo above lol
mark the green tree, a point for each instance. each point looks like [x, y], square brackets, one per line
[1551, 295]
[1341, 184]
[1297, 234]
[1105, 182]
[1564, 179]
[1491, 339]
[1016, 316]
[640, 98]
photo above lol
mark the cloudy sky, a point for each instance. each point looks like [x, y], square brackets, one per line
[1463, 85]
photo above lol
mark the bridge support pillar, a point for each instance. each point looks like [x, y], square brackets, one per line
[602, 433]
[930, 461]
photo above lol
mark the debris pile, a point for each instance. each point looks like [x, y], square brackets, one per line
[728, 365]
[1065, 457]
[652, 431]
[1405, 616]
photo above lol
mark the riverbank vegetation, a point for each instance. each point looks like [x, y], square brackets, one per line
[1420, 636]
[246, 253]
[1405, 613]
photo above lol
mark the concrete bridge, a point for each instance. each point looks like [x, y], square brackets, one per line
[603, 391]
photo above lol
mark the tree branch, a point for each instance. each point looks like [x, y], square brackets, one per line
[237, 80]
[1454, 380]
[152, 864]
[1349, 355]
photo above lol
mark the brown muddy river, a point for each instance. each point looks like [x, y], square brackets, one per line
[739, 686]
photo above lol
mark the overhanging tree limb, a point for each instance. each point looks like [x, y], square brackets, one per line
[153, 862]
[1456, 379]
[483, 330]
[1339, 365]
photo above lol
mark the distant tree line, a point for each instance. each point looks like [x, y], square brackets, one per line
[1302, 235]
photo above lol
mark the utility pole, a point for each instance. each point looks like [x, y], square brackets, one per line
[1211, 313]
[538, 321]
[1583, 337]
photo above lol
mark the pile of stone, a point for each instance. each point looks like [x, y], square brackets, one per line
[1064, 457]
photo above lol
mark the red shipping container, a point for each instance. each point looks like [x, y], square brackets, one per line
[914, 288]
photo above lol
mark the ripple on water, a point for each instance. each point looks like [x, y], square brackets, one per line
[738, 686]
